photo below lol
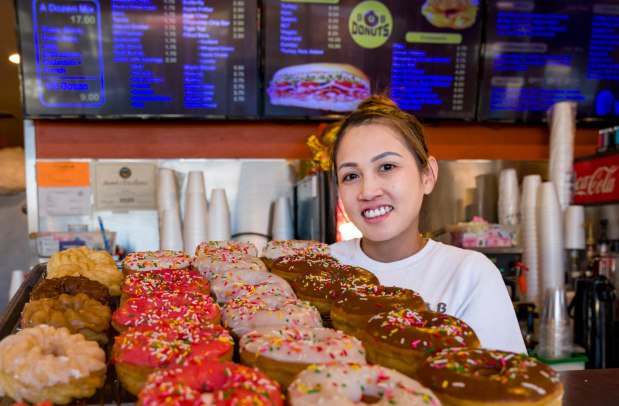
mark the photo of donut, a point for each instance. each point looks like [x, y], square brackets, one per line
[324, 86]
[455, 14]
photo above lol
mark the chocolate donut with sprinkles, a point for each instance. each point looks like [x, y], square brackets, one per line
[292, 266]
[402, 339]
[486, 377]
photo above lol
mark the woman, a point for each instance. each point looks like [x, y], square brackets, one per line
[383, 171]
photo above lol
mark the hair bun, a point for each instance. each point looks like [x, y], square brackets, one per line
[376, 101]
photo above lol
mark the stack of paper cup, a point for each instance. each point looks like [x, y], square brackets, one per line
[509, 197]
[171, 236]
[218, 224]
[282, 227]
[167, 192]
[196, 212]
[562, 122]
[575, 228]
[528, 231]
[17, 278]
[550, 237]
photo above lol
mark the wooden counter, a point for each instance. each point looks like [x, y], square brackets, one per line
[590, 387]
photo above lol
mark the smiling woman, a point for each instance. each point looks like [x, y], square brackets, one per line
[383, 171]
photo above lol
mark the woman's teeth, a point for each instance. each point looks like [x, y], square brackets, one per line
[377, 212]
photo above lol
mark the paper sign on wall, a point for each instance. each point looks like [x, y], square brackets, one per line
[125, 186]
[64, 188]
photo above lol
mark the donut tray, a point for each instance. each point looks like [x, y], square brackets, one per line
[111, 393]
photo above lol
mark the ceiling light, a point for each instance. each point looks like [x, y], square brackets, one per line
[14, 58]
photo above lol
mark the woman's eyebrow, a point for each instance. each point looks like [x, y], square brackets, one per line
[384, 154]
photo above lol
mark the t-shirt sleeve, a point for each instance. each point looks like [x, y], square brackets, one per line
[490, 311]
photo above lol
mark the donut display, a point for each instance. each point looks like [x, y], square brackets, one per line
[348, 384]
[487, 377]
[148, 283]
[402, 339]
[78, 313]
[182, 307]
[282, 353]
[352, 310]
[209, 382]
[45, 363]
[155, 261]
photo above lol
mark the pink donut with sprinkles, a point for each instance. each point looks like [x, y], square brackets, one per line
[228, 285]
[155, 261]
[207, 247]
[283, 352]
[217, 262]
[150, 283]
[352, 384]
[208, 382]
[182, 307]
[281, 248]
[247, 313]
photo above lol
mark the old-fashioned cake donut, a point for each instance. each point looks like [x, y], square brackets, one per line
[402, 339]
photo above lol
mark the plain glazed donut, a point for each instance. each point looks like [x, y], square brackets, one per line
[486, 377]
[231, 284]
[207, 247]
[150, 283]
[352, 310]
[351, 384]
[182, 307]
[214, 263]
[45, 363]
[71, 285]
[281, 248]
[140, 350]
[284, 352]
[155, 261]
[209, 382]
[402, 339]
[246, 313]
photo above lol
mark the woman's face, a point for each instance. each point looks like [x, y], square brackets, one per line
[380, 184]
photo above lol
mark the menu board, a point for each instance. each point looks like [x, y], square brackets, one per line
[322, 57]
[539, 52]
[120, 58]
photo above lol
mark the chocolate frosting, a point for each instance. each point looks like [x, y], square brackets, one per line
[70, 285]
[372, 299]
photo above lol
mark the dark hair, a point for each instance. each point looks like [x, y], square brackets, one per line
[379, 109]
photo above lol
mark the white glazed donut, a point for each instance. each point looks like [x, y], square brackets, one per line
[155, 260]
[247, 313]
[280, 248]
[216, 262]
[206, 247]
[353, 384]
[228, 285]
[283, 352]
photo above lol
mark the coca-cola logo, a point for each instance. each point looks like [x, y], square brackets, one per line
[601, 181]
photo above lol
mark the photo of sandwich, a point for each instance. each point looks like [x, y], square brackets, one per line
[323, 86]
[455, 14]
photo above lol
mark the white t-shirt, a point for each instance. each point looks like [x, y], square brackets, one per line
[462, 283]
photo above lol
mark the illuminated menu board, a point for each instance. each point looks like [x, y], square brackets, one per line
[322, 57]
[541, 52]
[116, 58]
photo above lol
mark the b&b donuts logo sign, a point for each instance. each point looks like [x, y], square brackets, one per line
[370, 24]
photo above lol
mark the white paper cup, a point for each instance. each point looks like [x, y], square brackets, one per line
[195, 228]
[218, 224]
[282, 227]
[167, 191]
[509, 197]
[575, 227]
[171, 235]
[195, 182]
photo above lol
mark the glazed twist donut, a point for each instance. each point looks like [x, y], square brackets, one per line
[79, 314]
[246, 313]
[150, 283]
[155, 261]
[45, 363]
[207, 247]
[214, 263]
[352, 310]
[486, 377]
[283, 352]
[209, 382]
[231, 284]
[71, 285]
[351, 384]
[182, 307]
[402, 339]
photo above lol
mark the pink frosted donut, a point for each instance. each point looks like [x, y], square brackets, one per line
[280, 248]
[246, 313]
[155, 260]
[216, 262]
[351, 384]
[185, 307]
[209, 382]
[231, 246]
[283, 352]
[228, 285]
